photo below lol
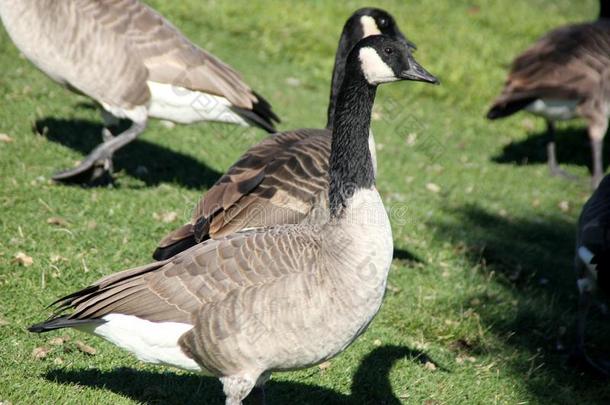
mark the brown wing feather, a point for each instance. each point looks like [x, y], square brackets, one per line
[274, 182]
[173, 290]
[169, 56]
[567, 63]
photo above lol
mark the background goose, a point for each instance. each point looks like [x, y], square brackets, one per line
[134, 63]
[592, 262]
[279, 180]
[564, 75]
[272, 299]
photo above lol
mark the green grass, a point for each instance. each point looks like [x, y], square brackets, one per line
[482, 283]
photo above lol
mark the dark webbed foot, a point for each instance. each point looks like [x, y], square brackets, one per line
[557, 171]
[97, 167]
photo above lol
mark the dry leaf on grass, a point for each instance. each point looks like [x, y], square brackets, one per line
[430, 366]
[85, 348]
[166, 217]
[40, 353]
[5, 138]
[564, 206]
[23, 259]
[377, 342]
[435, 188]
[59, 221]
[58, 258]
[60, 340]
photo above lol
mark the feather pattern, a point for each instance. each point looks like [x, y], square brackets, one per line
[75, 40]
[569, 63]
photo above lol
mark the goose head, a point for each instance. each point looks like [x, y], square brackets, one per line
[382, 59]
[375, 21]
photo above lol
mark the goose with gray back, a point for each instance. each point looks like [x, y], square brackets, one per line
[564, 75]
[281, 179]
[592, 264]
[270, 299]
[134, 64]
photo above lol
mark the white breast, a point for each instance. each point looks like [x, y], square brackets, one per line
[178, 104]
[553, 110]
[152, 342]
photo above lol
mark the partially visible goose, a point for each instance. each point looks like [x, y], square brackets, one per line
[592, 262]
[134, 63]
[564, 75]
[278, 180]
[270, 299]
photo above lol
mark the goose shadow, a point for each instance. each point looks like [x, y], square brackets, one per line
[146, 161]
[532, 257]
[572, 147]
[371, 384]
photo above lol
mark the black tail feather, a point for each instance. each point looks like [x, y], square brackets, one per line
[261, 114]
[508, 108]
[61, 322]
[165, 252]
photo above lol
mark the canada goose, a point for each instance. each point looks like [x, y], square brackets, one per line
[269, 299]
[134, 63]
[564, 75]
[592, 261]
[278, 180]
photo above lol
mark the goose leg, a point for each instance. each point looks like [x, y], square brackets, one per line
[109, 121]
[597, 131]
[236, 388]
[257, 396]
[579, 356]
[552, 155]
[98, 163]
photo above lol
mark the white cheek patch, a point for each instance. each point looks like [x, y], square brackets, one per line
[369, 26]
[374, 68]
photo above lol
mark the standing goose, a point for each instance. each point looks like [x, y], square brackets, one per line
[592, 262]
[270, 299]
[564, 75]
[279, 180]
[134, 63]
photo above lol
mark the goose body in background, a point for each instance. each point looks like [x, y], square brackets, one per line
[281, 179]
[592, 263]
[564, 75]
[134, 64]
[270, 299]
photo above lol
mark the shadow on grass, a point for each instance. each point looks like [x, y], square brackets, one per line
[371, 384]
[141, 159]
[532, 257]
[407, 256]
[572, 145]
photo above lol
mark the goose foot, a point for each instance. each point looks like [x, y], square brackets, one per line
[97, 167]
[557, 171]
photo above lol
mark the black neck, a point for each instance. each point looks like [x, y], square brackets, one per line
[346, 43]
[604, 9]
[351, 165]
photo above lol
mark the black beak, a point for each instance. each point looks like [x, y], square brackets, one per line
[417, 73]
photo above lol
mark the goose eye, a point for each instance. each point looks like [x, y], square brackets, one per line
[388, 51]
[383, 22]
